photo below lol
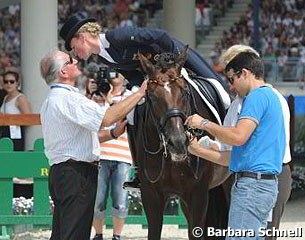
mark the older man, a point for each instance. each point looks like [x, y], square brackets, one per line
[258, 140]
[70, 123]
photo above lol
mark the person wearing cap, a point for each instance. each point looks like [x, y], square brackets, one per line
[70, 125]
[119, 48]
[258, 139]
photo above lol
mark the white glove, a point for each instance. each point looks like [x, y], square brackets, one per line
[207, 142]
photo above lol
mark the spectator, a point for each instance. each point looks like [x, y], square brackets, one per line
[2, 92]
[261, 120]
[14, 103]
[70, 123]
[91, 88]
[115, 162]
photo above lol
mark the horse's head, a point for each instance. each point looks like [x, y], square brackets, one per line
[168, 101]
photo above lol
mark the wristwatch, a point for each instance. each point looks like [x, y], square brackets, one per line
[203, 122]
[112, 134]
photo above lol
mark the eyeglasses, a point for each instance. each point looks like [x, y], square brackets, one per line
[68, 62]
[231, 78]
[9, 81]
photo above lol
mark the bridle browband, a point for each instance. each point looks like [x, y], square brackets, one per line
[162, 84]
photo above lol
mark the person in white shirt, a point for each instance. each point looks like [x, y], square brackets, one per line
[70, 125]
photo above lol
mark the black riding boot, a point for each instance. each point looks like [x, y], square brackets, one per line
[116, 237]
[98, 237]
[133, 185]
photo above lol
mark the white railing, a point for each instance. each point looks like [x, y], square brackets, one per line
[291, 71]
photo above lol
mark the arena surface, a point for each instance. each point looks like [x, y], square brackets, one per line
[294, 217]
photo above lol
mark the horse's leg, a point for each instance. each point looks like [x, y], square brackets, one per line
[185, 210]
[217, 213]
[154, 203]
[196, 203]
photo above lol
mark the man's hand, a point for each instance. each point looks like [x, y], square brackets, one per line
[194, 146]
[208, 143]
[119, 128]
[142, 89]
[194, 121]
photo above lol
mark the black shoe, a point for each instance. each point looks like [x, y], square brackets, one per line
[116, 237]
[98, 237]
[133, 185]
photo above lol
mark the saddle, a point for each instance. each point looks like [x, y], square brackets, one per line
[214, 95]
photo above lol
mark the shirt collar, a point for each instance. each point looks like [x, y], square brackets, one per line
[104, 42]
[66, 86]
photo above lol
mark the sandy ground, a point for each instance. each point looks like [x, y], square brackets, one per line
[294, 217]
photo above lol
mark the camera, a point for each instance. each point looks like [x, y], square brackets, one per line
[103, 79]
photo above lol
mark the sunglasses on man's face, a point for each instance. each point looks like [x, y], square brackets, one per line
[231, 78]
[68, 62]
[9, 81]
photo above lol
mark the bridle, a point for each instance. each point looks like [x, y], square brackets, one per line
[160, 125]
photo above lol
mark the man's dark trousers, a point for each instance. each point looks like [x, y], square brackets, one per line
[73, 189]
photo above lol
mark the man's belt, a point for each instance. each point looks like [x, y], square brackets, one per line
[255, 175]
[96, 163]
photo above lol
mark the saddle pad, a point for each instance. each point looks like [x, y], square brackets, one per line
[218, 109]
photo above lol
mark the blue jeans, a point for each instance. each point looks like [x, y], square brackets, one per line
[111, 176]
[252, 201]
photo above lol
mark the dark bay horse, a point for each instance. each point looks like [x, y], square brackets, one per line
[165, 166]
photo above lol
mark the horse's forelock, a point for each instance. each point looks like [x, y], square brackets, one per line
[166, 61]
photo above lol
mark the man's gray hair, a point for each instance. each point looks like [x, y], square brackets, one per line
[50, 67]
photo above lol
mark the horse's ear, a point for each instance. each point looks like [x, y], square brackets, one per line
[181, 58]
[147, 66]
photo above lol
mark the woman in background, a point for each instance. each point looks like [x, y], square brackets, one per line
[14, 102]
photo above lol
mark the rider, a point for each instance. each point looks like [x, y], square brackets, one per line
[119, 48]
